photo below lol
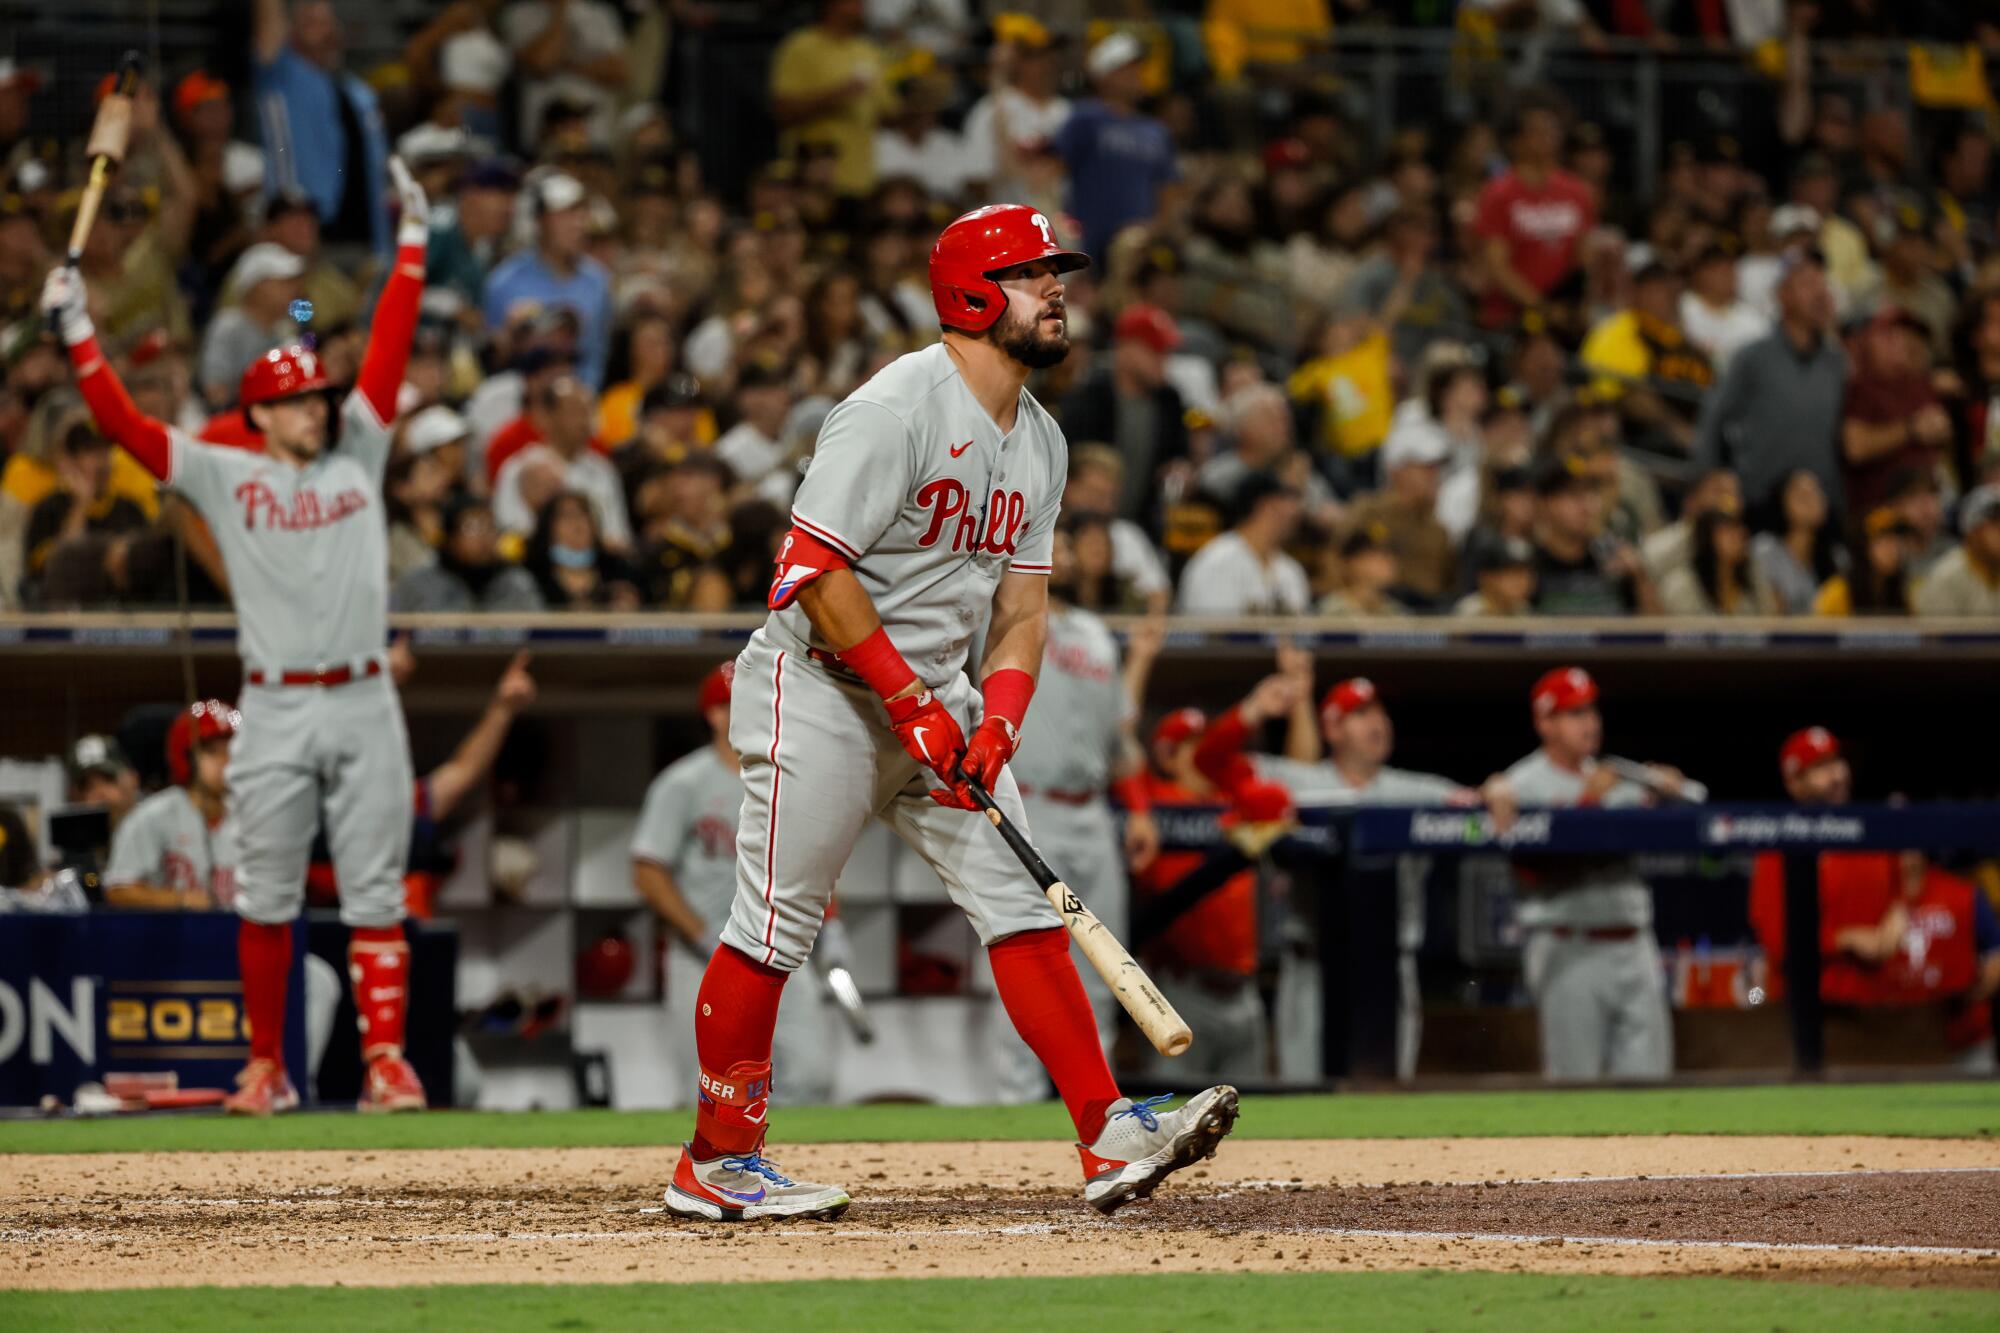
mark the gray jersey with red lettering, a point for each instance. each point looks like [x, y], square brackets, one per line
[688, 825]
[1323, 784]
[1069, 741]
[1581, 892]
[306, 548]
[915, 486]
[167, 843]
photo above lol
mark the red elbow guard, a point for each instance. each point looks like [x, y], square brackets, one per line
[802, 558]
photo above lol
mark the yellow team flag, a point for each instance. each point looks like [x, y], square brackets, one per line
[1948, 76]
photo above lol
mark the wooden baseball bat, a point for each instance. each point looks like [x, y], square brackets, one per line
[110, 136]
[1164, 1027]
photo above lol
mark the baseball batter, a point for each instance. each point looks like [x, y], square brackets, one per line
[1359, 738]
[1077, 743]
[177, 849]
[303, 538]
[926, 517]
[684, 864]
[1590, 958]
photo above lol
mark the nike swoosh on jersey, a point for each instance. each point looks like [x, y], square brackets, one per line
[958, 449]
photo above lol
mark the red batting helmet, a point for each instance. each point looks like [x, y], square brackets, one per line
[1805, 748]
[204, 721]
[975, 247]
[1562, 690]
[715, 686]
[1349, 696]
[282, 372]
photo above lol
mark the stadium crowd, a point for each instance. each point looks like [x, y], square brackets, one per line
[1482, 372]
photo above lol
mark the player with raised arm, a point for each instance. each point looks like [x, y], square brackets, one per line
[927, 514]
[304, 540]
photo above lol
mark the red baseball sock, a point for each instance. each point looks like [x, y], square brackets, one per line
[264, 956]
[735, 1014]
[1044, 996]
[378, 962]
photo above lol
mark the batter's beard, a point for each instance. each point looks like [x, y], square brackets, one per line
[1025, 343]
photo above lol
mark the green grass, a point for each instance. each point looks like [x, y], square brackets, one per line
[1952, 1110]
[1168, 1301]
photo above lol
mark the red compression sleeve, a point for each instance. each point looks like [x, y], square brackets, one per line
[1045, 998]
[395, 325]
[1132, 792]
[876, 661]
[1220, 754]
[117, 416]
[1007, 692]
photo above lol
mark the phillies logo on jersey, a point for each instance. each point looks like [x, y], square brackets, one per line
[306, 511]
[950, 502]
[717, 836]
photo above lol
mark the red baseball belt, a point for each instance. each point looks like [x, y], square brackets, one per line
[323, 676]
[1595, 932]
[1059, 797]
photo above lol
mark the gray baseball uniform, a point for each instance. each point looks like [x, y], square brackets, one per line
[306, 549]
[1590, 959]
[1070, 745]
[914, 484]
[688, 827]
[166, 842]
[1299, 1005]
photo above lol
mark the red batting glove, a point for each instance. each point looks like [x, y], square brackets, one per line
[929, 734]
[993, 743]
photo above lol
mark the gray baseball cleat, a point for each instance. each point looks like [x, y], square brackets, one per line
[1140, 1147]
[745, 1187]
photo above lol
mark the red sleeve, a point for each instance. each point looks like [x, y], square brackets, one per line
[1219, 757]
[802, 558]
[120, 420]
[1491, 219]
[395, 324]
[1767, 906]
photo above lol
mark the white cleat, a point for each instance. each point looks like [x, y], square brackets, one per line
[1140, 1147]
[745, 1187]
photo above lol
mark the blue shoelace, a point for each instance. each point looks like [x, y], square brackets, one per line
[1144, 1110]
[755, 1164]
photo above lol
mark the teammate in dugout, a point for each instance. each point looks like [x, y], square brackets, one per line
[303, 539]
[1077, 743]
[684, 864]
[1359, 738]
[1590, 958]
[178, 849]
[926, 515]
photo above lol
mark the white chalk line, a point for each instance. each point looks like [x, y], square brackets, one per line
[1654, 1242]
[1289, 1185]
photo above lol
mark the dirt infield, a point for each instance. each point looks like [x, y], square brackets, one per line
[1899, 1211]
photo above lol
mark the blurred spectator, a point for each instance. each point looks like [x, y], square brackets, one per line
[84, 503]
[570, 52]
[1671, 547]
[468, 573]
[1480, 435]
[1977, 364]
[1120, 159]
[100, 774]
[1532, 217]
[572, 567]
[459, 59]
[1800, 549]
[1245, 571]
[896, 309]
[1918, 495]
[834, 339]
[1967, 581]
[1506, 572]
[332, 298]
[1891, 420]
[556, 272]
[911, 142]
[129, 264]
[1096, 479]
[24, 257]
[1878, 583]
[1404, 511]
[468, 233]
[1096, 581]
[1909, 278]
[1323, 259]
[1369, 572]
[1260, 427]
[1576, 572]
[1346, 381]
[18, 84]
[535, 349]
[34, 475]
[415, 489]
[644, 356]
[683, 517]
[267, 281]
[439, 431]
[1022, 110]
[828, 89]
[566, 463]
[1717, 320]
[1130, 406]
[1778, 408]
[228, 173]
[322, 127]
[1406, 289]
[1649, 368]
[1719, 579]
[1237, 279]
[754, 448]
[669, 431]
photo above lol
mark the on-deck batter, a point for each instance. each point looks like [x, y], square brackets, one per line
[177, 849]
[305, 543]
[925, 518]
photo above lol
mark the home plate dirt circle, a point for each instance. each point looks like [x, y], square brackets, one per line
[1884, 1211]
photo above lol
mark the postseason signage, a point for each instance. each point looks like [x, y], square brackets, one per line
[86, 995]
[1689, 828]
